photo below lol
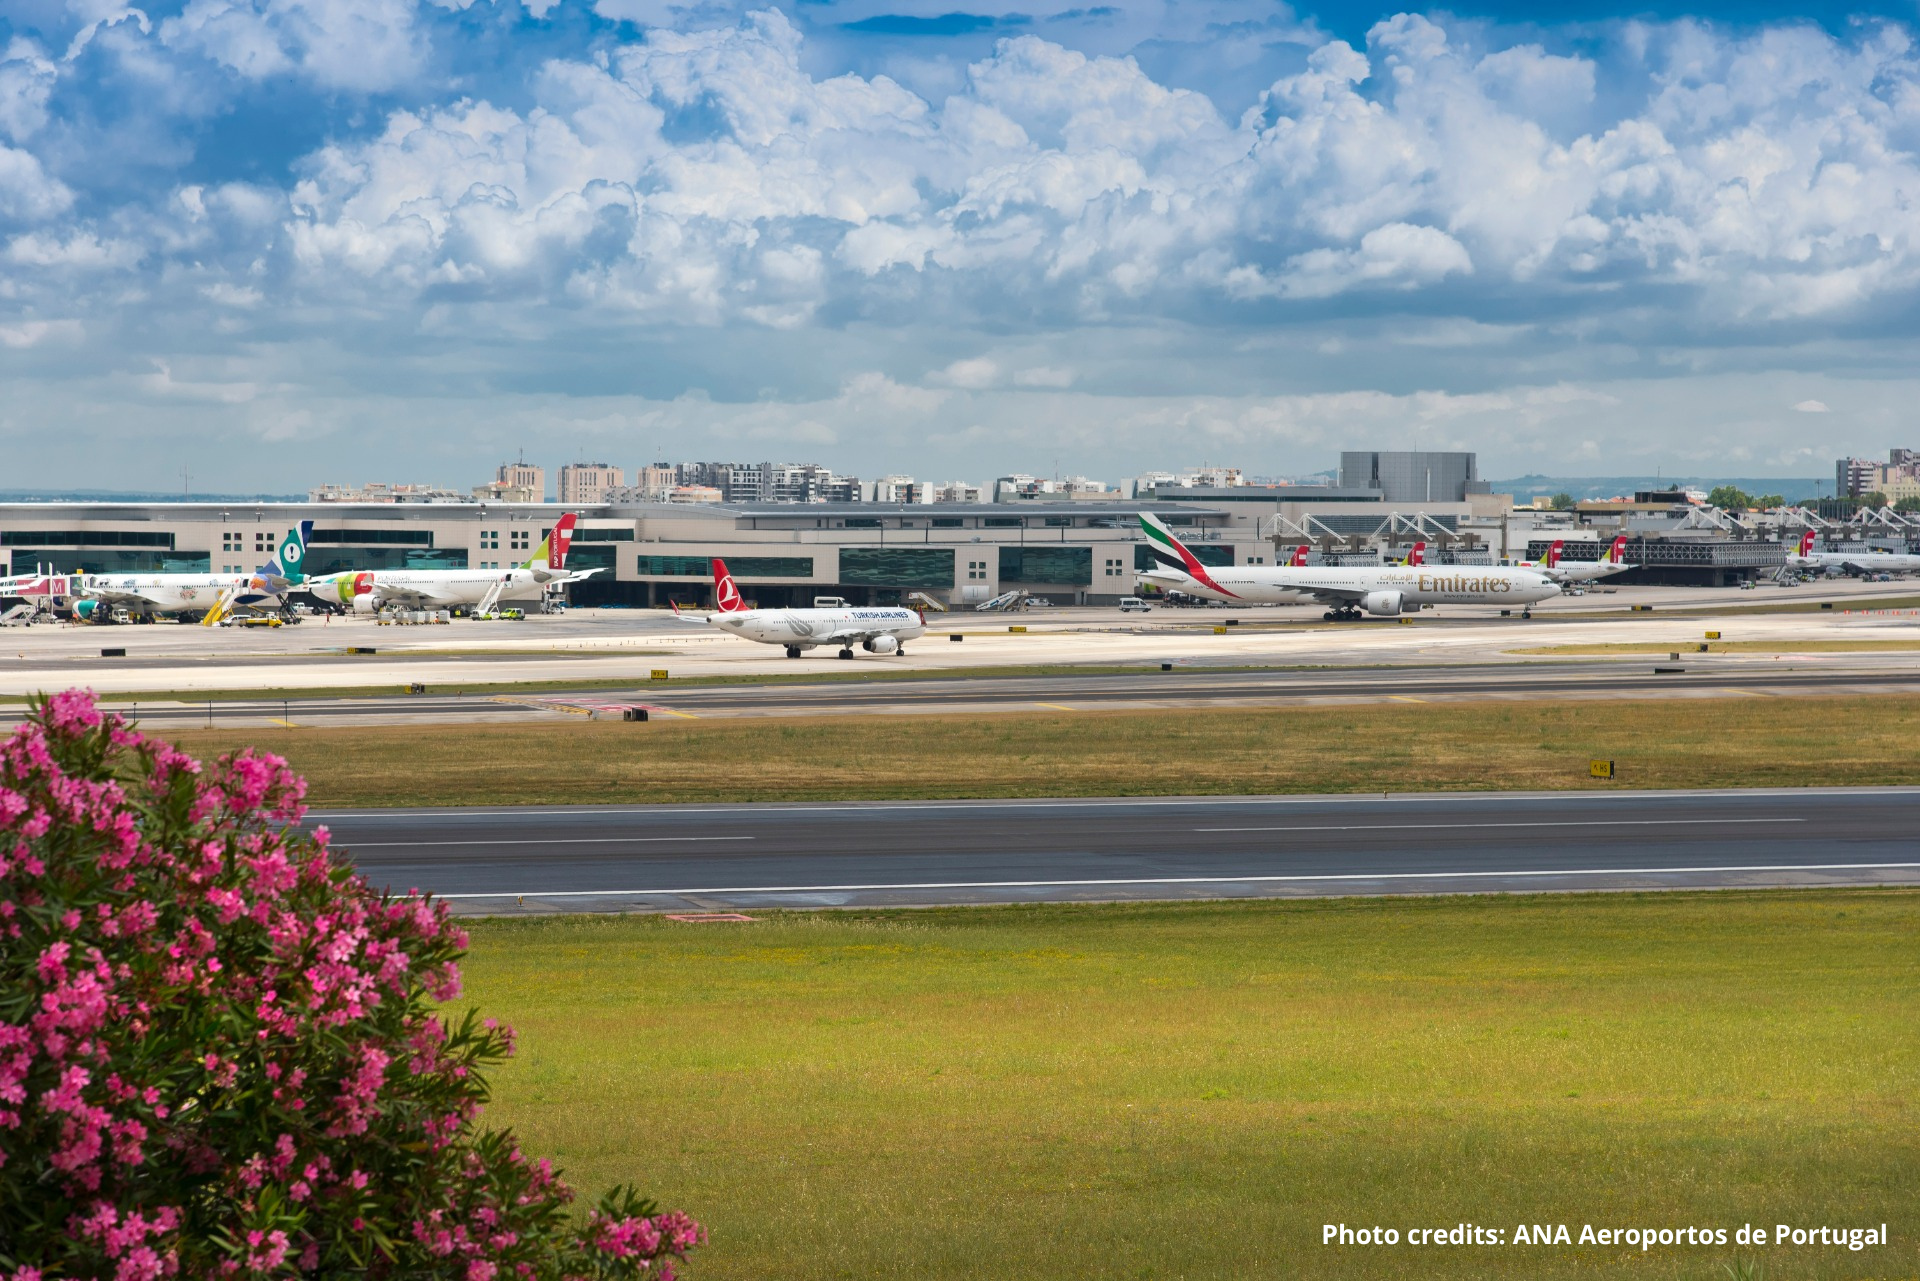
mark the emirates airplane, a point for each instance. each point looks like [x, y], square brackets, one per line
[1348, 590]
[880, 629]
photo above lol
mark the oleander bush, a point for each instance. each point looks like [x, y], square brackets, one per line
[220, 1051]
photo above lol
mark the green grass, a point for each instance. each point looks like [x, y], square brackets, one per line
[1193, 1090]
[1498, 746]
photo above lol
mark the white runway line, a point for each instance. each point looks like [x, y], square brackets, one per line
[1196, 880]
[565, 840]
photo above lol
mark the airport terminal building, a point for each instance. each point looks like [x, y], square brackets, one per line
[652, 553]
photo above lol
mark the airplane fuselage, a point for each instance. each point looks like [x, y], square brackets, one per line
[429, 587]
[808, 628]
[175, 593]
[1415, 586]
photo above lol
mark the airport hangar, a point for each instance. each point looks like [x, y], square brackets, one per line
[1078, 552]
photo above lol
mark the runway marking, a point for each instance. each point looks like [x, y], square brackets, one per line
[668, 711]
[277, 721]
[1474, 827]
[1084, 802]
[1203, 880]
[565, 840]
[1405, 698]
[1059, 707]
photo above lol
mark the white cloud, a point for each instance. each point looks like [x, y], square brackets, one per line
[27, 192]
[31, 333]
[349, 44]
[1812, 407]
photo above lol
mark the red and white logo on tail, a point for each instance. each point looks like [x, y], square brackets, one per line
[726, 596]
[1553, 553]
[559, 540]
[1806, 544]
[1299, 560]
[1417, 554]
[1617, 553]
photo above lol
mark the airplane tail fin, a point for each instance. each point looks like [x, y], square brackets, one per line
[289, 563]
[1416, 556]
[1299, 560]
[726, 595]
[1806, 544]
[552, 551]
[1553, 553]
[1170, 553]
[1616, 551]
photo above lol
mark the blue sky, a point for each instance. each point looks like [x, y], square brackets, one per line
[286, 241]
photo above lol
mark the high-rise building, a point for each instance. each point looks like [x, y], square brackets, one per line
[588, 483]
[522, 477]
[1412, 476]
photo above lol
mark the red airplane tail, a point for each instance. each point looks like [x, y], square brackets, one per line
[726, 596]
[1417, 554]
[1299, 560]
[560, 540]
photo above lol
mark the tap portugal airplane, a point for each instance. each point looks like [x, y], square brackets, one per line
[1612, 561]
[370, 591]
[880, 629]
[1860, 563]
[1349, 591]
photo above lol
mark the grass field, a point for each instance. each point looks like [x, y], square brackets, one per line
[1192, 1090]
[1399, 747]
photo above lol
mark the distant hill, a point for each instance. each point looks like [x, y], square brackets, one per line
[1794, 489]
[136, 496]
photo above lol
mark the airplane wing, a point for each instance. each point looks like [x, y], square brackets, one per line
[855, 633]
[416, 596]
[119, 596]
[1335, 595]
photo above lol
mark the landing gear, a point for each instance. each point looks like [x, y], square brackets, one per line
[1526, 613]
[793, 651]
[901, 651]
[846, 653]
[1342, 615]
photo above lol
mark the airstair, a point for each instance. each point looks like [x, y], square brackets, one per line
[1004, 601]
[937, 606]
[19, 616]
[491, 600]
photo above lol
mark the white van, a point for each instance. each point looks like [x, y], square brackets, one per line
[1133, 604]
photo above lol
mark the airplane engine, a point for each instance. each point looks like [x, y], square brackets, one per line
[883, 645]
[366, 603]
[1383, 603]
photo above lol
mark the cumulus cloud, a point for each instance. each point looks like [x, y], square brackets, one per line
[1813, 407]
[1438, 197]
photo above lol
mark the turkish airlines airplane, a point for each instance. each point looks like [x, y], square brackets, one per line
[880, 629]
[370, 591]
[1348, 590]
[1850, 562]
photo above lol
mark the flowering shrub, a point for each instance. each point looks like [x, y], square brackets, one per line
[219, 1055]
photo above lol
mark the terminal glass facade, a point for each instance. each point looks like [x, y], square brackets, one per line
[340, 559]
[896, 566]
[1210, 554]
[1047, 565]
[110, 560]
[738, 566]
[374, 537]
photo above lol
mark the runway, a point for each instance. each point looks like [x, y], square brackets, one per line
[742, 857]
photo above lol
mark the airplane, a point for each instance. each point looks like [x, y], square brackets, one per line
[1348, 590]
[1861, 563]
[1611, 561]
[144, 595]
[879, 629]
[370, 591]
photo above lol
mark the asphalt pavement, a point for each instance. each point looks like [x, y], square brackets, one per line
[740, 857]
